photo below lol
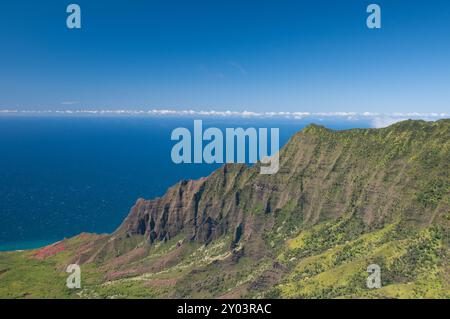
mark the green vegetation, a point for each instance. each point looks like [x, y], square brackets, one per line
[342, 200]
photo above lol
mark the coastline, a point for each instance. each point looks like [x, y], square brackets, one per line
[26, 245]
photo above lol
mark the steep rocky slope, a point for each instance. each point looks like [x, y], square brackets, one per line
[375, 176]
[340, 201]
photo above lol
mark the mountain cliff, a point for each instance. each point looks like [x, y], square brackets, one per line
[342, 200]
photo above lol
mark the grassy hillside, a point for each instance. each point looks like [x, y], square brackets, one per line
[341, 201]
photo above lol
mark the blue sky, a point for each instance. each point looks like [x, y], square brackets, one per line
[310, 56]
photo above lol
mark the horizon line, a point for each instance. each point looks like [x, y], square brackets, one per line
[228, 113]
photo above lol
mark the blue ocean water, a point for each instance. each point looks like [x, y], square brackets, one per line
[60, 176]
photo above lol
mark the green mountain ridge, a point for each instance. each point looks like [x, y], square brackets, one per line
[342, 200]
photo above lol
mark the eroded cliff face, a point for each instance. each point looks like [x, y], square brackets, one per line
[342, 200]
[376, 176]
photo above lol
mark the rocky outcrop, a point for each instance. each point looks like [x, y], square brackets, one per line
[342, 200]
[375, 175]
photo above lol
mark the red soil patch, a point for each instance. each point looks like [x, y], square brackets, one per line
[120, 274]
[49, 251]
[88, 236]
[129, 257]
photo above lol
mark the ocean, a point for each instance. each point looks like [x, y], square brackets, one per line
[63, 175]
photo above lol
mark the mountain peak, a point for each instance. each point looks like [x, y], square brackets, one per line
[342, 200]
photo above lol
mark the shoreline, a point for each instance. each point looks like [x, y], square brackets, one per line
[26, 245]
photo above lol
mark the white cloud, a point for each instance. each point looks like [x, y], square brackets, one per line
[384, 121]
[377, 119]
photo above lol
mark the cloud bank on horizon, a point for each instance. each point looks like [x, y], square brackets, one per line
[377, 120]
